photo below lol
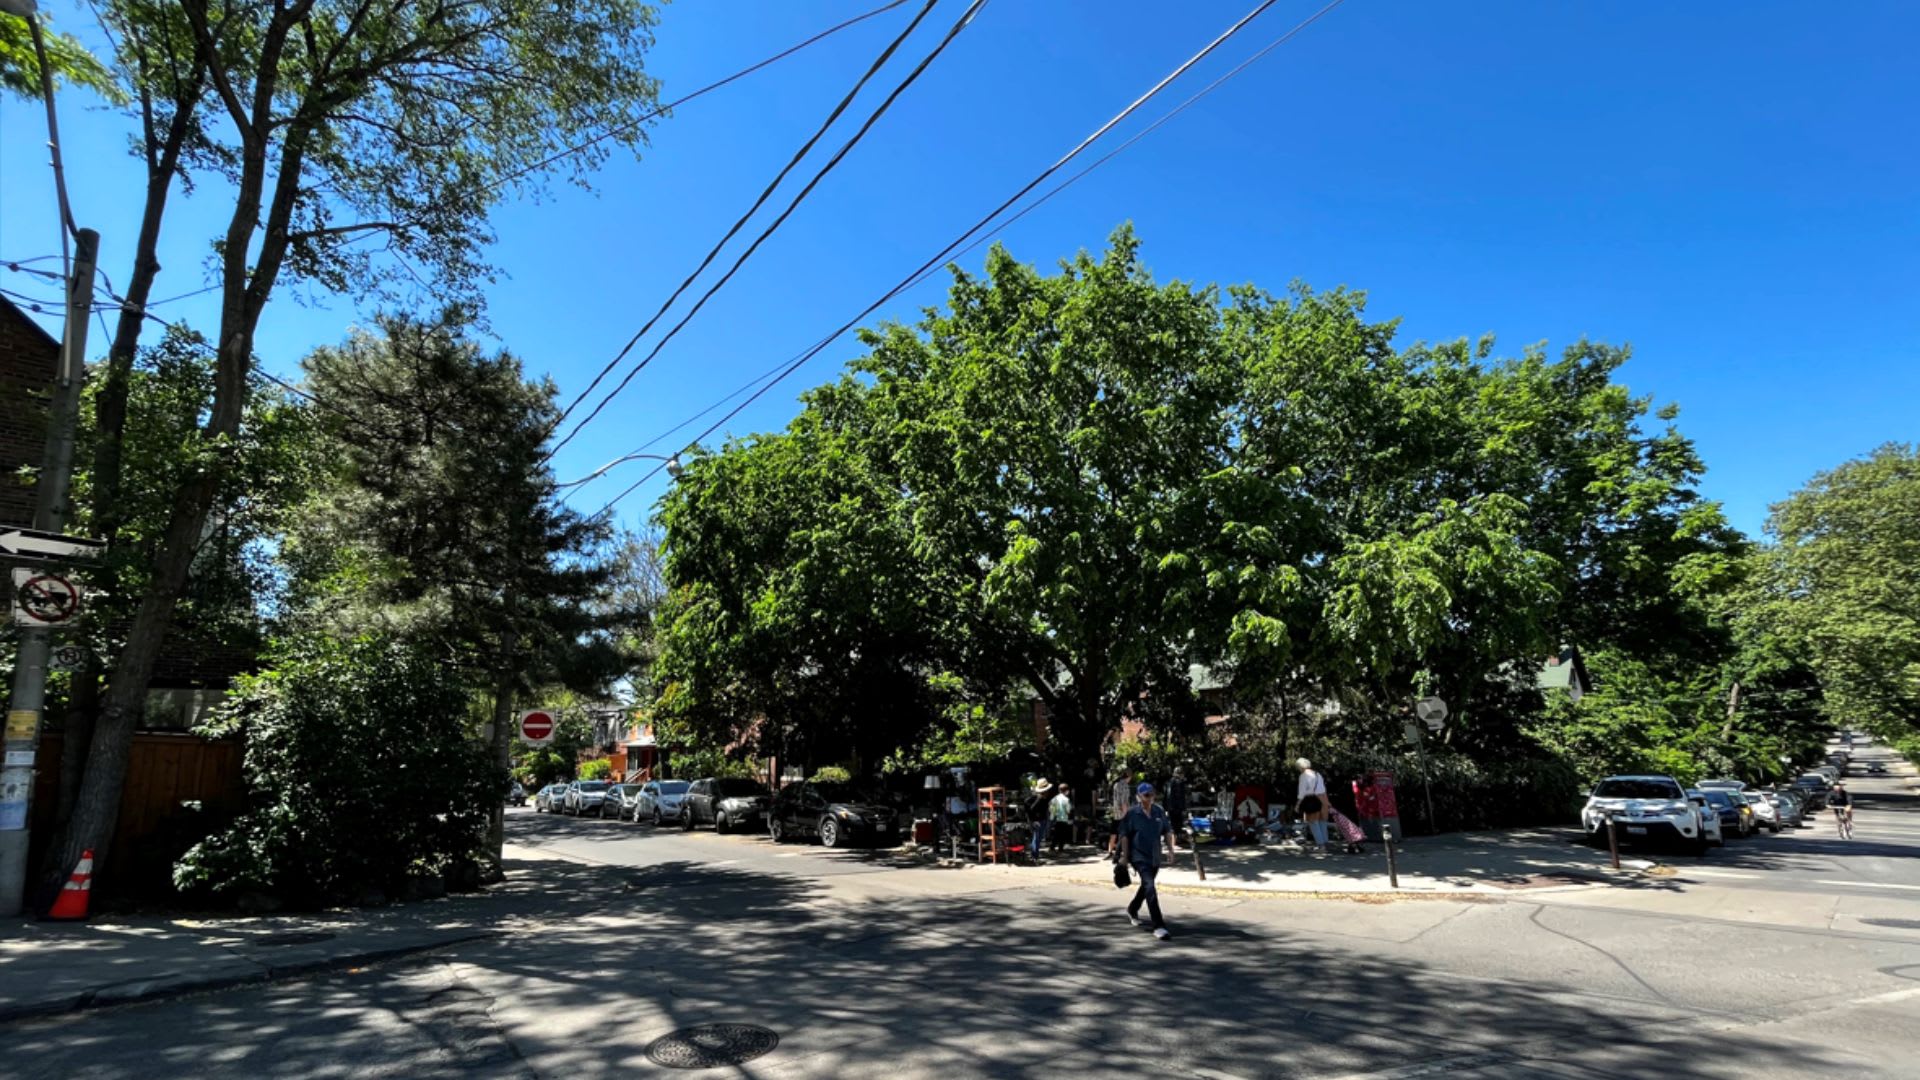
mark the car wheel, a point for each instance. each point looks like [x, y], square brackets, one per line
[831, 834]
[775, 831]
[686, 818]
[720, 824]
[656, 817]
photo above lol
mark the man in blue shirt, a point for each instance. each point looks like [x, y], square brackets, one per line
[1144, 832]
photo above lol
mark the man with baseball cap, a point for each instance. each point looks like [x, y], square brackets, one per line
[1146, 839]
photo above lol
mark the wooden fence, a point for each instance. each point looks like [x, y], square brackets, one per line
[179, 788]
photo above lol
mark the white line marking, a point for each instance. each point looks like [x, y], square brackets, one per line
[1718, 873]
[1871, 884]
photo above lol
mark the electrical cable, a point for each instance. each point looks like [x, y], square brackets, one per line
[622, 129]
[784, 371]
[881, 110]
[792, 163]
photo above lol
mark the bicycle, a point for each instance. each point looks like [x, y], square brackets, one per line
[1844, 817]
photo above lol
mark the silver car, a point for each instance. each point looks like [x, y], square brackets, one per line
[585, 796]
[619, 801]
[660, 800]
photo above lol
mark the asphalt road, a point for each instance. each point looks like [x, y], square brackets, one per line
[1796, 955]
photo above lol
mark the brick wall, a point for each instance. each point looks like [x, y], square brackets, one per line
[29, 358]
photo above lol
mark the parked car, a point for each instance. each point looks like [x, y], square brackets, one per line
[839, 814]
[619, 801]
[728, 804]
[659, 800]
[1764, 814]
[1709, 819]
[550, 798]
[1721, 785]
[1790, 805]
[516, 795]
[585, 797]
[1876, 769]
[1815, 786]
[1736, 819]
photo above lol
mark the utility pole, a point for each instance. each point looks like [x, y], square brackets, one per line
[51, 496]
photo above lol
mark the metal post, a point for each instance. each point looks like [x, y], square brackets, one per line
[51, 487]
[1613, 843]
[1393, 870]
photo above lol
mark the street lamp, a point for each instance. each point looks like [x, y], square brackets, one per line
[672, 460]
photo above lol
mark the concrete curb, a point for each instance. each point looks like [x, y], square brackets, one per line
[176, 984]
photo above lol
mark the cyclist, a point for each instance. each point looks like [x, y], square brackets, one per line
[1842, 804]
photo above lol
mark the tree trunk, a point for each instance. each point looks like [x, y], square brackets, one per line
[96, 806]
[110, 422]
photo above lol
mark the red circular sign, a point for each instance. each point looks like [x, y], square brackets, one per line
[536, 725]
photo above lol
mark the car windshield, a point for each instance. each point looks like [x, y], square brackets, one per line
[1637, 789]
[622, 790]
[674, 787]
[738, 789]
[1718, 798]
[593, 785]
[1812, 780]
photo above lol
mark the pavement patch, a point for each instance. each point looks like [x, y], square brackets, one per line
[711, 1046]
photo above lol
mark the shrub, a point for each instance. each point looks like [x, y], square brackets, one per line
[597, 769]
[831, 774]
[699, 764]
[363, 771]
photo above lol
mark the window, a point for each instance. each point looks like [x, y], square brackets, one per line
[1637, 789]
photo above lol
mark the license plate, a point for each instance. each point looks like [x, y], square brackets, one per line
[1636, 830]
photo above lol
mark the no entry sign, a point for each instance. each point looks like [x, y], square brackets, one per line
[537, 727]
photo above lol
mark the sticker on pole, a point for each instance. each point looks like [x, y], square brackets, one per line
[44, 599]
[537, 727]
[69, 657]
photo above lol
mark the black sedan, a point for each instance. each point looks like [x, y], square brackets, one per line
[729, 805]
[839, 814]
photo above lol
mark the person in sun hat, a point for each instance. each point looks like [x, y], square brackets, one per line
[1146, 842]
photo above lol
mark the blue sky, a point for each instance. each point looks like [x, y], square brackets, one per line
[1734, 189]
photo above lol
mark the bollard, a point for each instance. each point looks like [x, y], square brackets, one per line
[1199, 869]
[1393, 871]
[1613, 843]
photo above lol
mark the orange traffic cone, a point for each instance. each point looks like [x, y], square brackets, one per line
[75, 893]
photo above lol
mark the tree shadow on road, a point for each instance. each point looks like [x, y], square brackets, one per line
[597, 962]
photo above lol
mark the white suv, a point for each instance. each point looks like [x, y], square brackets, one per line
[1644, 809]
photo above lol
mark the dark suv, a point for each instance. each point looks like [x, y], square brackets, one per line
[729, 805]
[839, 814]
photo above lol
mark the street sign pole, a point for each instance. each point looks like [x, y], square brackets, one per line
[51, 489]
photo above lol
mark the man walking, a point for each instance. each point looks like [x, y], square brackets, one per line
[1146, 842]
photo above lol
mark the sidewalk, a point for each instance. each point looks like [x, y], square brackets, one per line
[1493, 863]
[54, 967]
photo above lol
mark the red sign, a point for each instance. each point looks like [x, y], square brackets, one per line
[536, 725]
[1383, 791]
[1250, 803]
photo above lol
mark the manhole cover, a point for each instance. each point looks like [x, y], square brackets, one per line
[711, 1045]
[307, 937]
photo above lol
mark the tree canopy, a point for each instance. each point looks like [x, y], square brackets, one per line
[1082, 487]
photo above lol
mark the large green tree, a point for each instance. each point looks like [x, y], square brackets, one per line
[1840, 585]
[1077, 486]
[445, 524]
[321, 125]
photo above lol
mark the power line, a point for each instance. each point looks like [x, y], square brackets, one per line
[794, 204]
[622, 129]
[767, 193]
[784, 371]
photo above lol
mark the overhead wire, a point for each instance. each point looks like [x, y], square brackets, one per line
[965, 19]
[621, 129]
[786, 369]
[734, 230]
